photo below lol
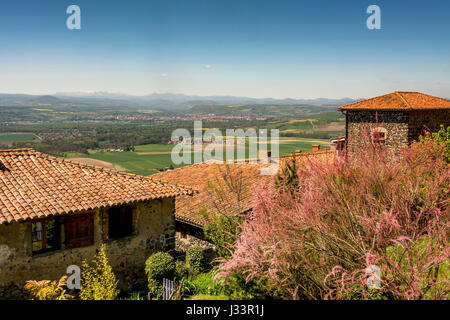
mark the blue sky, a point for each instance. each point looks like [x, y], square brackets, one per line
[297, 49]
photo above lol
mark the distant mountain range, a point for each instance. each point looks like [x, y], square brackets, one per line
[166, 101]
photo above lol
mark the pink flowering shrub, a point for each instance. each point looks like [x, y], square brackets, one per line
[316, 239]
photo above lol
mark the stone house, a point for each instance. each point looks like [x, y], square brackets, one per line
[395, 119]
[55, 213]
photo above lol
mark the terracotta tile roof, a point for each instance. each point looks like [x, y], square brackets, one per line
[199, 176]
[35, 185]
[324, 153]
[400, 101]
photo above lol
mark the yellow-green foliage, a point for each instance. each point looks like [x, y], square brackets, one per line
[442, 137]
[48, 290]
[98, 280]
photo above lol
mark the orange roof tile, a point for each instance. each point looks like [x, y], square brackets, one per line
[200, 176]
[36, 185]
[400, 101]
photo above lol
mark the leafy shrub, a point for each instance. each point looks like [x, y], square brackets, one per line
[98, 281]
[195, 260]
[238, 288]
[222, 232]
[373, 208]
[181, 269]
[160, 265]
[442, 138]
[48, 290]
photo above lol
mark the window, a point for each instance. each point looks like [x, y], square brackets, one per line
[79, 231]
[120, 221]
[379, 135]
[45, 236]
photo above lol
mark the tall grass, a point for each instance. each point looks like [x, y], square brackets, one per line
[315, 239]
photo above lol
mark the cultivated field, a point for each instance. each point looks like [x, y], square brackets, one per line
[149, 159]
[9, 138]
[99, 163]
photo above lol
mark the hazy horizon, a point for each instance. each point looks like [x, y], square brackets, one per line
[99, 93]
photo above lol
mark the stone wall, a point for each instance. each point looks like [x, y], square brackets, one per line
[184, 228]
[402, 126]
[427, 120]
[396, 124]
[185, 241]
[154, 231]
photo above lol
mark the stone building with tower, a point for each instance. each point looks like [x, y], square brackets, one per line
[395, 119]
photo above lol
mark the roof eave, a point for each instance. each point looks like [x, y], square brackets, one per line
[373, 109]
[391, 109]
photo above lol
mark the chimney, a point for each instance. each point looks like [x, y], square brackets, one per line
[316, 147]
[264, 156]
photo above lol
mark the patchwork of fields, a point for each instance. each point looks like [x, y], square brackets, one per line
[82, 143]
[149, 159]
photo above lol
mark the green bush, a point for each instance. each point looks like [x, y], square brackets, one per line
[204, 283]
[223, 231]
[238, 288]
[160, 265]
[195, 260]
[181, 269]
[442, 137]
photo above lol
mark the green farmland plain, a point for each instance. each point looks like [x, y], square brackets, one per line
[151, 158]
[13, 137]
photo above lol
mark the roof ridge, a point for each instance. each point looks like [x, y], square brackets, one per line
[400, 100]
[368, 99]
[17, 150]
[424, 94]
[32, 151]
[93, 166]
[403, 99]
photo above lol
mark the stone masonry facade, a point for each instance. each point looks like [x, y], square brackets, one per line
[154, 230]
[401, 127]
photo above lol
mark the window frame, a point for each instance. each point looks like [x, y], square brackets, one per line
[376, 135]
[43, 240]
